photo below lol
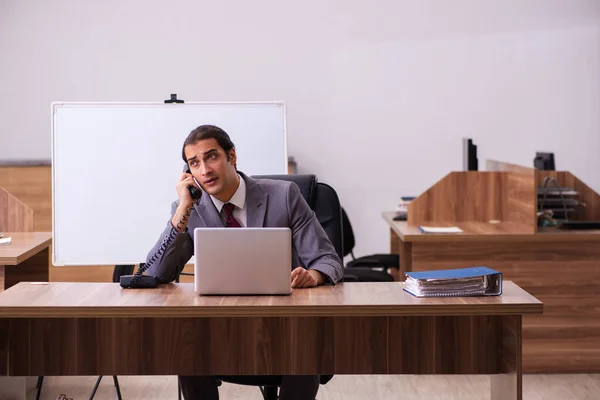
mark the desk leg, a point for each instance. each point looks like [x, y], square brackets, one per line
[405, 258]
[509, 384]
[34, 269]
[404, 250]
[395, 242]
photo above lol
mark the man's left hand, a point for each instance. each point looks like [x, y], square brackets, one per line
[302, 278]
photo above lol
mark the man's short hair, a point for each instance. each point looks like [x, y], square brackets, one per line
[204, 132]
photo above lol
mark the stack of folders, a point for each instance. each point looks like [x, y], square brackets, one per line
[476, 281]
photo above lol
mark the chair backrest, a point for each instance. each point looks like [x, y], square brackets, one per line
[328, 210]
[323, 200]
[348, 234]
[121, 270]
[307, 184]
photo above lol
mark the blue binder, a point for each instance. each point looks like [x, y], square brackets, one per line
[475, 281]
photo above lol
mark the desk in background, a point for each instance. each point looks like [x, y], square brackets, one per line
[353, 328]
[26, 259]
[561, 268]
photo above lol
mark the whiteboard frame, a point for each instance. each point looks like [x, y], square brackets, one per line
[74, 104]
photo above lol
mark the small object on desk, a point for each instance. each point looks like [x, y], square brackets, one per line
[475, 281]
[440, 229]
[404, 202]
[5, 241]
[1, 234]
[400, 216]
[546, 219]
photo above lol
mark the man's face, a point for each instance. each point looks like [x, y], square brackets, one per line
[209, 165]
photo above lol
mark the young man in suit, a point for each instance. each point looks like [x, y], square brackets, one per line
[232, 199]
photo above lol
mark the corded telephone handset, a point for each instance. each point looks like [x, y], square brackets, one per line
[194, 191]
[139, 280]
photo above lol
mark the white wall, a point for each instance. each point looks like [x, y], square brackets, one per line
[379, 94]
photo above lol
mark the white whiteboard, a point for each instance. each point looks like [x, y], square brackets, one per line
[115, 167]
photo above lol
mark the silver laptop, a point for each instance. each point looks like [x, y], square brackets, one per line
[240, 261]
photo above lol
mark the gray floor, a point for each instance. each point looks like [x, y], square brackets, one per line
[535, 387]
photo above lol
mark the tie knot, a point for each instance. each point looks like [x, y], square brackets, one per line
[228, 209]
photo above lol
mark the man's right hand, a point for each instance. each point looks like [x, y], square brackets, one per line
[183, 191]
[185, 201]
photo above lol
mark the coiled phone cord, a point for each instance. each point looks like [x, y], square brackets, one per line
[167, 240]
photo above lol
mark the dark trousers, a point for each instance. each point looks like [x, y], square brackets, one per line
[293, 387]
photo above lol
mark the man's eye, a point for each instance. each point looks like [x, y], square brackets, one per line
[212, 156]
[193, 163]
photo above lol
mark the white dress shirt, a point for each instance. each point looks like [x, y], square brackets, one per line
[238, 200]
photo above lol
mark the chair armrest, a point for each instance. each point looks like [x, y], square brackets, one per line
[365, 263]
[348, 277]
[383, 261]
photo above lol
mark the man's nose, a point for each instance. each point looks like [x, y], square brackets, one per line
[205, 169]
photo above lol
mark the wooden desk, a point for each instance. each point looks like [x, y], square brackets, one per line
[561, 268]
[352, 328]
[26, 259]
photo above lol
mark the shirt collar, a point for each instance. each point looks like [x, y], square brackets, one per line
[238, 199]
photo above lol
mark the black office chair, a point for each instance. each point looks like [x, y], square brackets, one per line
[370, 268]
[324, 201]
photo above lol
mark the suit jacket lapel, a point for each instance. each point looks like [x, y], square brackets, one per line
[256, 203]
[208, 212]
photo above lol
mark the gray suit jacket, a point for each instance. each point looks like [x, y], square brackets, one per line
[269, 203]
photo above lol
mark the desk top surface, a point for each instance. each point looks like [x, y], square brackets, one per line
[23, 246]
[75, 299]
[485, 232]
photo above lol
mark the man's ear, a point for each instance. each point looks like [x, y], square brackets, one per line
[232, 156]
